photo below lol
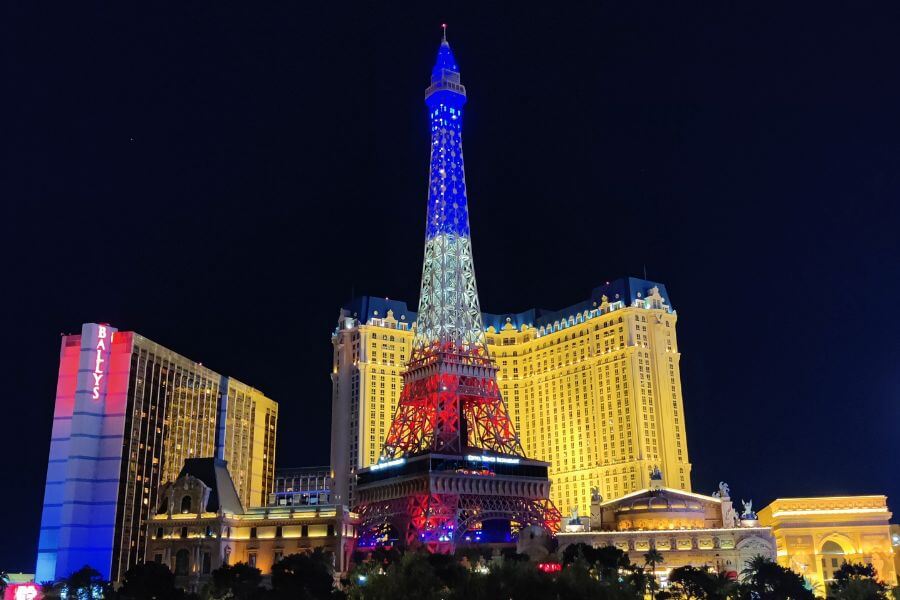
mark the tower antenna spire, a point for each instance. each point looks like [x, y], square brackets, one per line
[444, 27]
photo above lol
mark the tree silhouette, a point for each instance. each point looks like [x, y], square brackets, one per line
[85, 584]
[304, 576]
[607, 561]
[691, 582]
[854, 581]
[240, 581]
[651, 559]
[410, 577]
[149, 581]
[770, 581]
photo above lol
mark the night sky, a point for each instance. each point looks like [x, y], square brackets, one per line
[221, 180]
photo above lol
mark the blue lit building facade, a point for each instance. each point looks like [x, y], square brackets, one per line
[128, 413]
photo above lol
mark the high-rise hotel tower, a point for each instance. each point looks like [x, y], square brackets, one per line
[128, 413]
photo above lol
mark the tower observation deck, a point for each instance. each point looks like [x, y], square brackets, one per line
[452, 468]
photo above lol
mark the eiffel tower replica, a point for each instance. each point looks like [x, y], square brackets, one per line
[452, 469]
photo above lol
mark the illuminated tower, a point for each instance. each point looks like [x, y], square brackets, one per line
[449, 348]
[452, 460]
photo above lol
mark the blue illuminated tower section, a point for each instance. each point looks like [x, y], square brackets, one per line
[448, 304]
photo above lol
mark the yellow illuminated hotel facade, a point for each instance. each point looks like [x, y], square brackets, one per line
[594, 389]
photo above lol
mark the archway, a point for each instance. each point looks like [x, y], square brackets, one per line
[182, 562]
[831, 557]
[487, 529]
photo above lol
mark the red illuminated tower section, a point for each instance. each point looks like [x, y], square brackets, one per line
[450, 403]
[452, 469]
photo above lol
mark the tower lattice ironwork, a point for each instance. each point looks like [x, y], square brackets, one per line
[450, 400]
[451, 426]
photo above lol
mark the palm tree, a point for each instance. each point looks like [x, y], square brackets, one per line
[754, 565]
[766, 579]
[4, 579]
[85, 584]
[721, 586]
[636, 578]
[651, 559]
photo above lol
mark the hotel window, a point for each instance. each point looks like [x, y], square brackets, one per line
[253, 533]
[251, 559]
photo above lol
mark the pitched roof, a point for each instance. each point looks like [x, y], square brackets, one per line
[214, 473]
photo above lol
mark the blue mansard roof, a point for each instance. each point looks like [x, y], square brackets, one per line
[627, 290]
[369, 307]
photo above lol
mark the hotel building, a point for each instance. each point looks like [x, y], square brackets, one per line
[301, 486]
[198, 525]
[686, 528]
[128, 413]
[811, 536]
[594, 389]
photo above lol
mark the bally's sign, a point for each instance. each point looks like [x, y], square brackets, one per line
[104, 338]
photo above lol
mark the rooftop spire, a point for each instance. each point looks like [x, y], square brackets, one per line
[445, 64]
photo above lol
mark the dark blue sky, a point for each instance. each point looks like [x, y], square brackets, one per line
[220, 179]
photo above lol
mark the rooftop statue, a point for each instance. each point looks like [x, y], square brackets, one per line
[724, 490]
[574, 519]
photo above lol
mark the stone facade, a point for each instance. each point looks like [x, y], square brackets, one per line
[200, 525]
[815, 536]
[686, 528]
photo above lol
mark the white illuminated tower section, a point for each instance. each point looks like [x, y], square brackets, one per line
[452, 467]
[449, 311]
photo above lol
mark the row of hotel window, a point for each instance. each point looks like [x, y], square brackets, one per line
[209, 533]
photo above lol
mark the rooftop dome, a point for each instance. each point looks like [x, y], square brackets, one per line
[659, 501]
